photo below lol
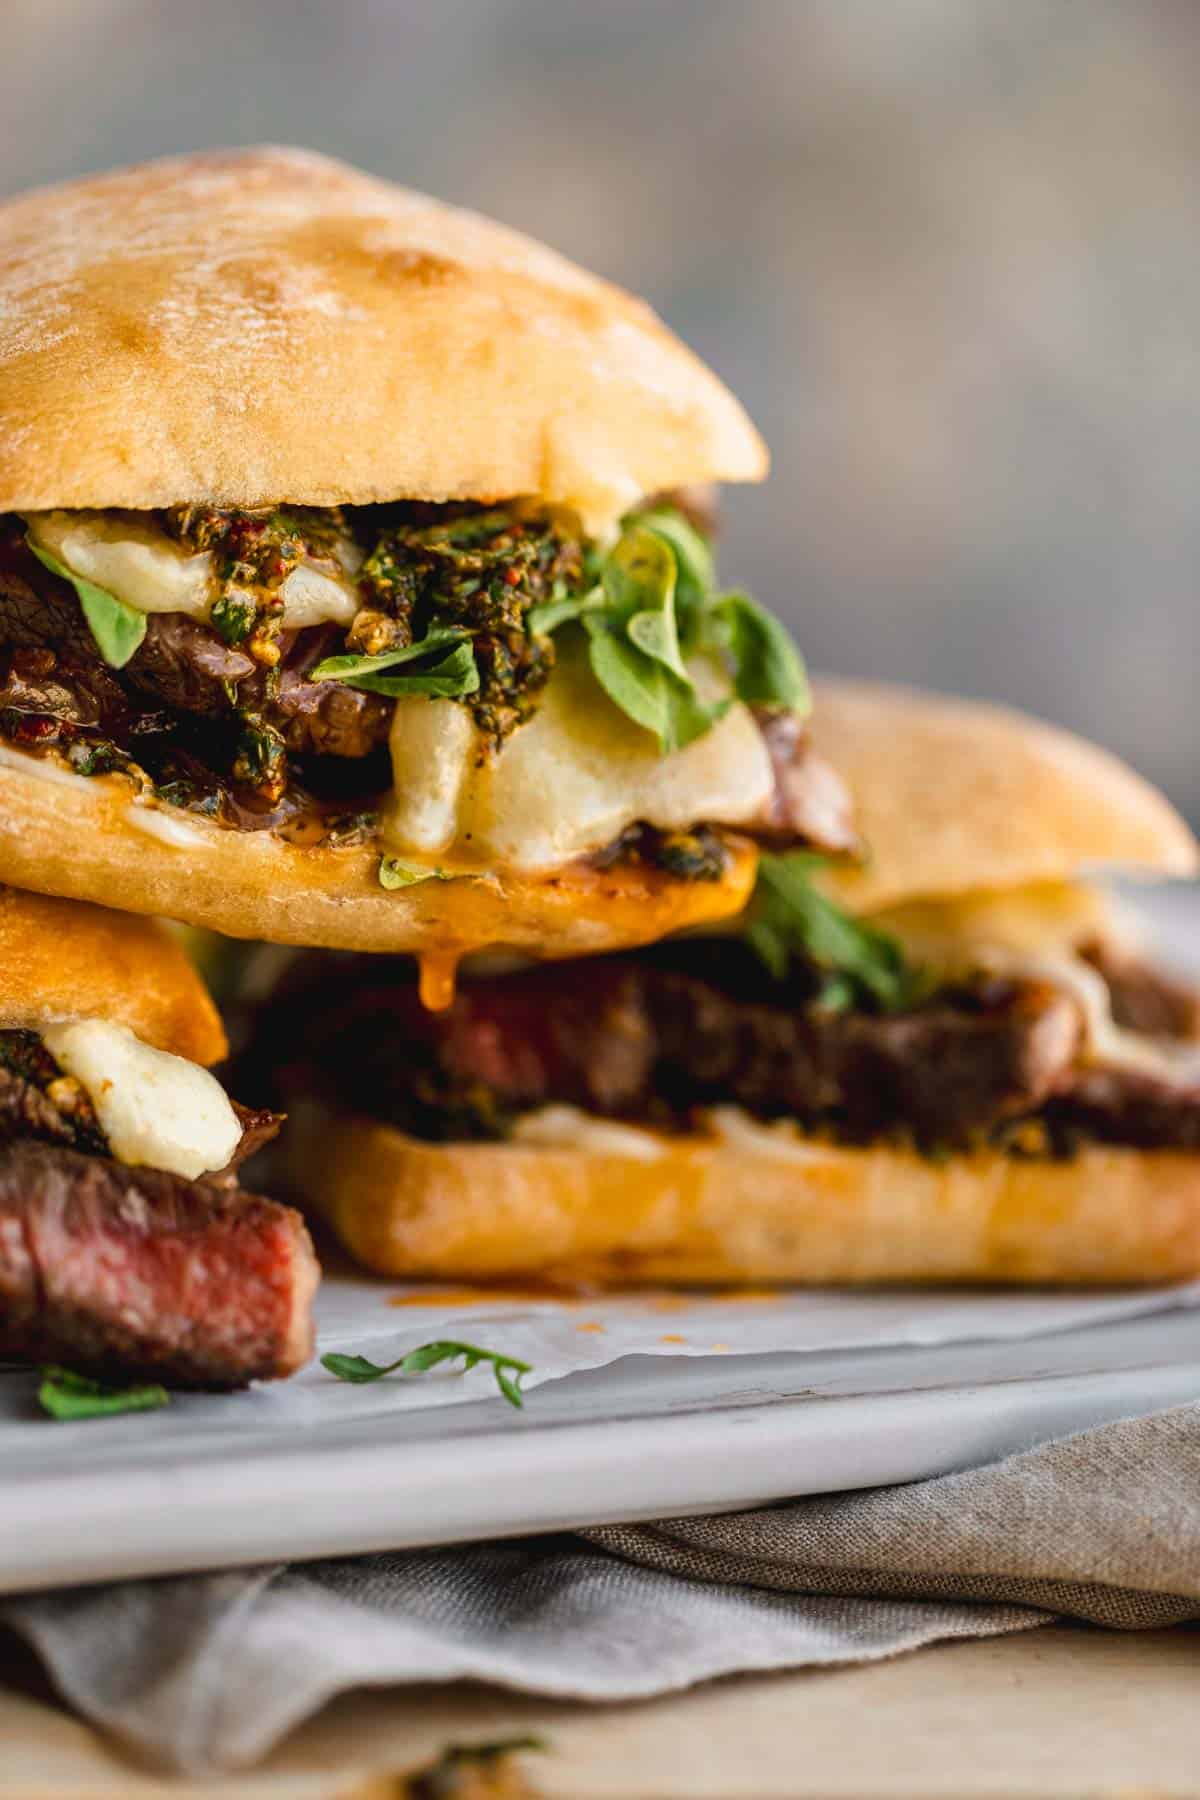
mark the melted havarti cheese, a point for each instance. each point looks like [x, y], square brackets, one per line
[154, 1108]
[780, 1138]
[167, 828]
[1045, 917]
[40, 768]
[570, 1128]
[1035, 934]
[129, 556]
[566, 783]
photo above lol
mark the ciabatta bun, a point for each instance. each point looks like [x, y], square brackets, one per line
[249, 326]
[955, 796]
[703, 1211]
[81, 836]
[61, 960]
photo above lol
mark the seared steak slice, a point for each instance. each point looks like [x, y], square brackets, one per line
[941, 1073]
[133, 1272]
[1125, 1106]
[323, 718]
[186, 667]
[26, 1112]
[37, 609]
[810, 803]
[636, 1039]
[1147, 999]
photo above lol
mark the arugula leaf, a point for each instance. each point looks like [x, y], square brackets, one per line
[67, 1395]
[542, 620]
[345, 668]
[652, 628]
[767, 666]
[455, 675]
[639, 572]
[695, 576]
[631, 680]
[447, 1777]
[654, 606]
[508, 1370]
[117, 628]
[791, 917]
[394, 872]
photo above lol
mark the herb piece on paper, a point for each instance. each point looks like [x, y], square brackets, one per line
[508, 1370]
[65, 1395]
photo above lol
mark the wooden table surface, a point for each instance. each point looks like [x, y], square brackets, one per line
[1057, 1712]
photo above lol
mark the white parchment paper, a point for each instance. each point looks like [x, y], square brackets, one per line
[560, 1336]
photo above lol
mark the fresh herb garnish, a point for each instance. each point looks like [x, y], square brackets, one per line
[792, 918]
[441, 1781]
[767, 666]
[394, 872]
[117, 628]
[508, 1369]
[96, 756]
[64, 1394]
[234, 616]
[653, 609]
[448, 677]
[487, 590]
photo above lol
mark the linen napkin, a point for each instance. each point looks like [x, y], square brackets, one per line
[204, 1673]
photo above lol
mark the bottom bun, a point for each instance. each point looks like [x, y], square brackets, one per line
[88, 836]
[695, 1210]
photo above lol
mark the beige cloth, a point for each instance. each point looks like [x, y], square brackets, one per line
[207, 1672]
[1103, 1526]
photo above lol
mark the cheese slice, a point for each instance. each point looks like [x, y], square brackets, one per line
[1044, 917]
[127, 555]
[1035, 934]
[154, 1108]
[566, 783]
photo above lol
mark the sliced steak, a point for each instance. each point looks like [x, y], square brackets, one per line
[37, 609]
[942, 1073]
[133, 1272]
[186, 667]
[1123, 1106]
[810, 803]
[323, 718]
[632, 1038]
[259, 1126]
[26, 1112]
[1144, 998]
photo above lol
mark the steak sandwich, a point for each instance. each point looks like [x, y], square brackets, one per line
[953, 1063]
[353, 590]
[126, 1244]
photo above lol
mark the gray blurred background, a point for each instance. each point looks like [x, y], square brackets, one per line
[947, 251]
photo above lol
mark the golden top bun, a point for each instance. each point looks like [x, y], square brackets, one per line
[249, 326]
[84, 835]
[62, 959]
[953, 796]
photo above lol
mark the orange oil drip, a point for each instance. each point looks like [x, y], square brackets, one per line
[438, 973]
[472, 1296]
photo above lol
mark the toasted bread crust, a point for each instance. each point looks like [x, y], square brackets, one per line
[250, 326]
[82, 836]
[65, 960]
[954, 796]
[703, 1211]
